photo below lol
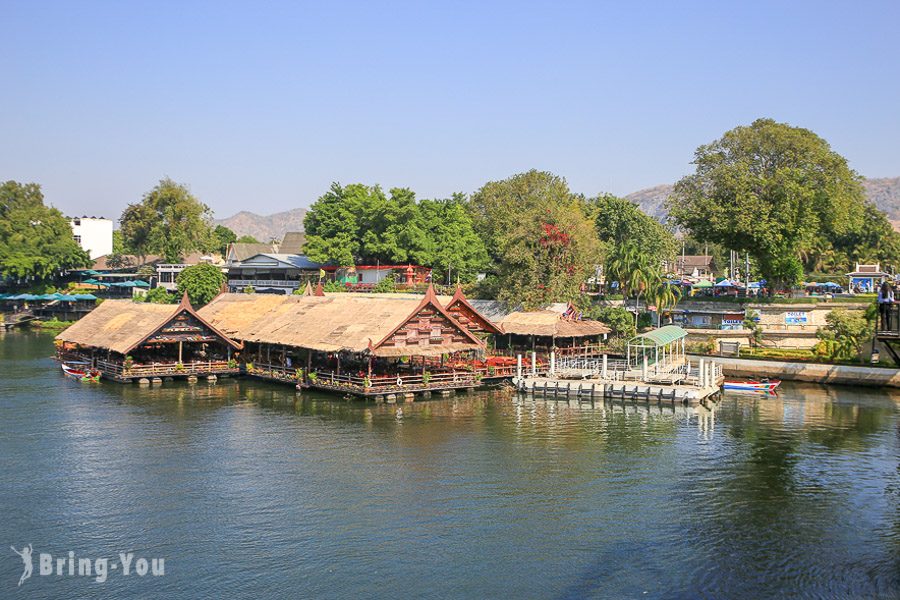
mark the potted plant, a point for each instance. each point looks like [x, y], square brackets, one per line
[129, 362]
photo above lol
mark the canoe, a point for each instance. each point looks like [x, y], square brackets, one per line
[765, 385]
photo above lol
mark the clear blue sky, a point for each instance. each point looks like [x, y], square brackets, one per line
[261, 105]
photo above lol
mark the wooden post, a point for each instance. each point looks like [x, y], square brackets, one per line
[370, 367]
[337, 356]
[644, 368]
[553, 362]
[533, 363]
[519, 366]
[603, 374]
[701, 372]
[179, 350]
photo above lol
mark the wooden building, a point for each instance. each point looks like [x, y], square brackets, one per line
[355, 343]
[127, 340]
[545, 330]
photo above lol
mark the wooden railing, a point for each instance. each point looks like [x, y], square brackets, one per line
[163, 369]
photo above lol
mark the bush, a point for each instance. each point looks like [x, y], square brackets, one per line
[249, 290]
[334, 286]
[619, 320]
[202, 282]
[386, 285]
[159, 295]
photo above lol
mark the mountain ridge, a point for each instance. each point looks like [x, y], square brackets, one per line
[884, 191]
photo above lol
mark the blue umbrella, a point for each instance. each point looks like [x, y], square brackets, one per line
[830, 284]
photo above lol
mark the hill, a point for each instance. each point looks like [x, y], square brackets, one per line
[265, 228]
[884, 192]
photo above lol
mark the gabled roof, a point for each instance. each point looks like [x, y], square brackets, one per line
[238, 251]
[292, 243]
[338, 322]
[550, 324]
[659, 337]
[459, 301]
[122, 325]
[288, 261]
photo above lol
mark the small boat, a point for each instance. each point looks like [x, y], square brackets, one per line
[766, 386]
[79, 372]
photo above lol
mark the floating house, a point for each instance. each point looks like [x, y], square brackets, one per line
[361, 344]
[545, 330]
[127, 340]
[272, 273]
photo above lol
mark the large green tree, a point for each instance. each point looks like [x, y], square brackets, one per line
[35, 240]
[542, 244]
[359, 224]
[221, 237]
[620, 221]
[202, 282]
[769, 189]
[168, 221]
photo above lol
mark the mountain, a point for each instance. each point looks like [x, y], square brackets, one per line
[265, 228]
[884, 192]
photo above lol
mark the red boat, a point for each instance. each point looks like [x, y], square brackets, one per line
[80, 372]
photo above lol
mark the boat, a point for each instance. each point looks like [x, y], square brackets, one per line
[79, 372]
[766, 386]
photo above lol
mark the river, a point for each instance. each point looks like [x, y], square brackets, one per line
[247, 490]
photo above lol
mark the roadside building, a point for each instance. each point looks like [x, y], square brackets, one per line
[93, 234]
[864, 279]
[167, 273]
[272, 273]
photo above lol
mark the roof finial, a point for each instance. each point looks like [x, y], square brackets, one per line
[308, 291]
[185, 301]
[320, 291]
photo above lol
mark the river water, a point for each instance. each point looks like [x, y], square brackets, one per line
[247, 490]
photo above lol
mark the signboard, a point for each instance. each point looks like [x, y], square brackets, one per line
[796, 318]
[732, 321]
[863, 284]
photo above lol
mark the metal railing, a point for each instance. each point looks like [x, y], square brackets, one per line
[162, 369]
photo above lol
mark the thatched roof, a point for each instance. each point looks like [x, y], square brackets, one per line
[337, 322]
[550, 324]
[122, 325]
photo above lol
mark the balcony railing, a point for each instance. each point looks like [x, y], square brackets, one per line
[285, 283]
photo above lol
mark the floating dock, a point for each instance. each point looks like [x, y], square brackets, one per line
[589, 389]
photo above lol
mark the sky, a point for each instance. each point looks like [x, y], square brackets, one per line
[261, 105]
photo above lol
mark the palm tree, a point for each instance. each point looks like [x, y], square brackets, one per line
[633, 270]
[664, 296]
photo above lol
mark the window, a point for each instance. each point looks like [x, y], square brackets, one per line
[78, 239]
[76, 222]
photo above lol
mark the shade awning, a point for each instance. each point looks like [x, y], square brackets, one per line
[659, 337]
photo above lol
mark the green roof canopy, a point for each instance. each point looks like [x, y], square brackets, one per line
[702, 284]
[659, 337]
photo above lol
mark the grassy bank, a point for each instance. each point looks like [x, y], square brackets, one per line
[51, 325]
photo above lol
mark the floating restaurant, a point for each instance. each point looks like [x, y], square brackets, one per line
[127, 341]
[366, 345]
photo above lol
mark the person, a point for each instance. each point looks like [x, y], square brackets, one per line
[885, 303]
[25, 554]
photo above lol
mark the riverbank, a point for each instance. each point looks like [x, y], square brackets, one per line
[809, 372]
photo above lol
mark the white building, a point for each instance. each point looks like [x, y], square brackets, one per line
[93, 234]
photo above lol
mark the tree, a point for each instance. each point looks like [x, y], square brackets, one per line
[359, 224]
[159, 295]
[221, 237]
[247, 239]
[768, 189]
[386, 285]
[168, 221]
[542, 245]
[202, 282]
[454, 249]
[617, 318]
[35, 240]
[620, 221]
[631, 267]
[843, 336]
[118, 242]
[664, 296]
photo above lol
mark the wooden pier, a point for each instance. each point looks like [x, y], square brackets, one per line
[549, 387]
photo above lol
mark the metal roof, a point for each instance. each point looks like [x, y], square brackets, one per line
[659, 337]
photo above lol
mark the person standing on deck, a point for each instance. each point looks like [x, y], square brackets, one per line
[885, 303]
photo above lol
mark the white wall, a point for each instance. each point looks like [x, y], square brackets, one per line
[93, 234]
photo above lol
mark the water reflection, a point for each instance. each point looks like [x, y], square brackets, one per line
[252, 489]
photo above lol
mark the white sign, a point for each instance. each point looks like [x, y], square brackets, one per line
[795, 318]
